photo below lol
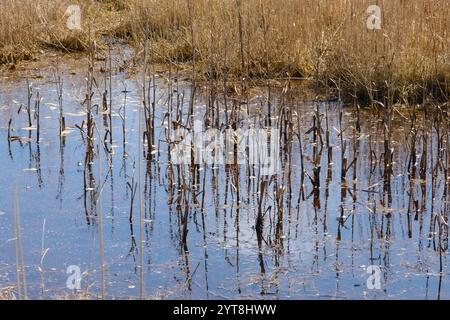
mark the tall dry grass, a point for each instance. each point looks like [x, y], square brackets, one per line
[28, 26]
[326, 40]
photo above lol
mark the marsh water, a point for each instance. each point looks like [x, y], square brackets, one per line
[324, 235]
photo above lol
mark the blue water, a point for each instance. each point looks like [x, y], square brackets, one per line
[222, 261]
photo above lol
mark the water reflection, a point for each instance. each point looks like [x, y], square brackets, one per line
[355, 187]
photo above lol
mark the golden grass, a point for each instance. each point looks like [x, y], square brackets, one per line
[326, 40]
[27, 26]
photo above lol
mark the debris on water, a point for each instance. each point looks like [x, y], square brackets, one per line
[29, 129]
[66, 132]
[78, 114]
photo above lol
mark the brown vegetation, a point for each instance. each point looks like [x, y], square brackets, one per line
[325, 41]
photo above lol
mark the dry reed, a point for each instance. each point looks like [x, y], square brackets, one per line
[324, 41]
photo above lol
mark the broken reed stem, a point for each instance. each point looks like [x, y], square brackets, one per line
[148, 134]
[37, 109]
[133, 188]
[29, 96]
[10, 138]
[59, 91]
[123, 116]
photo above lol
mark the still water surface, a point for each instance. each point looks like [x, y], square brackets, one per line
[328, 238]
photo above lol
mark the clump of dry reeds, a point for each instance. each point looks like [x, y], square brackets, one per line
[325, 41]
[28, 26]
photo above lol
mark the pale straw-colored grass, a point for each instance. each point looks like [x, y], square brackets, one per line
[326, 40]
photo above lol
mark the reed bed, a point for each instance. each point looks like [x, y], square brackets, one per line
[325, 43]
[326, 40]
